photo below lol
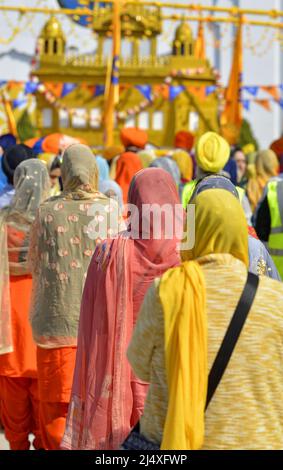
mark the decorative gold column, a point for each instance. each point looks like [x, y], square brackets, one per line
[186, 49]
[55, 119]
[99, 52]
[177, 47]
[40, 45]
[136, 50]
[153, 49]
[60, 47]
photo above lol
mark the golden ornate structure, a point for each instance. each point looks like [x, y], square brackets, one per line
[80, 112]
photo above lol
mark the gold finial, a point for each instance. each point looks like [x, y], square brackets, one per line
[184, 33]
[52, 29]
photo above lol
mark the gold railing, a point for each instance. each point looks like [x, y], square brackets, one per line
[87, 60]
[234, 14]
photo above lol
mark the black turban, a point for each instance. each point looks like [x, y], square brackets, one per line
[13, 157]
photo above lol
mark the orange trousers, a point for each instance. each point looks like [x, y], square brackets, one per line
[52, 418]
[19, 411]
[55, 377]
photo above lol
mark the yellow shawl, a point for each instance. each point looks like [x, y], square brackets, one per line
[220, 228]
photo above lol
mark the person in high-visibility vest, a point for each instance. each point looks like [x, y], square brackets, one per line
[212, 154]
[268, 220]
[266, 166]
[192, 185]
[260, 261]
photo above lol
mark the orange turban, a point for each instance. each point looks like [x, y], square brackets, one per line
[134, 137]
[184, 140]
[128, 164]
[277, 147]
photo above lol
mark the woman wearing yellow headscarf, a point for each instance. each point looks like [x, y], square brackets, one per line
[185, 164]
[266, 166]
[180, 328]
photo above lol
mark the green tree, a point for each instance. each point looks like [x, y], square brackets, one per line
[25, 127]
[247, 135]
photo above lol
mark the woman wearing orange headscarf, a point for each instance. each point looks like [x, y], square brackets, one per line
[266, 166]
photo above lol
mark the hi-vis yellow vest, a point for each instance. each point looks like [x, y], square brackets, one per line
[275, 241]
[190, 187]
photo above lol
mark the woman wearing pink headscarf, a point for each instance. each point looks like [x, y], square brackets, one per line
[107, 399]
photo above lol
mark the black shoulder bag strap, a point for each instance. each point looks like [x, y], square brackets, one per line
[231, 337]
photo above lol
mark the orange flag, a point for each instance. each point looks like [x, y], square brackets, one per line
[200, 43]
[232, 114]
[264, 103]
[272, 90]
[197, 91]
[161, 90]
[54, 88]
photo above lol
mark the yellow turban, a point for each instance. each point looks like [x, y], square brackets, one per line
[212, 152]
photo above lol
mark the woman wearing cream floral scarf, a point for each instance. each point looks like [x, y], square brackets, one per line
[62, 246]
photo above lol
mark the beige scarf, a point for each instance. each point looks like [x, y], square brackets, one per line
[32, 186]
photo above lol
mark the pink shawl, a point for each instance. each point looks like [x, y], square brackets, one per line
[107, 400]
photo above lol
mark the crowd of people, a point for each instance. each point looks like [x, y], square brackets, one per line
[109, 338]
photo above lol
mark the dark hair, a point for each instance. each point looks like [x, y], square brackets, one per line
[56, 163]
[234, 150]
[13, 157]
[7, 141]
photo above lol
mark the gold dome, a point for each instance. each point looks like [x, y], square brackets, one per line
[183, 33]
[52, 29]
